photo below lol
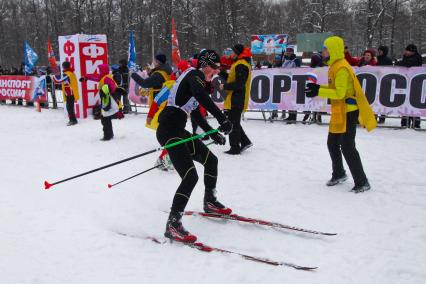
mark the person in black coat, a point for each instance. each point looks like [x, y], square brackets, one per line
[383, 60]
[157, 77]
[235, 102]
[411, 58]
[382, 56]
[121, 77]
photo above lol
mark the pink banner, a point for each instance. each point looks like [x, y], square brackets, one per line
[18, 87]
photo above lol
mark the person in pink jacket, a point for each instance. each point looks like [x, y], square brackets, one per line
[109, 106]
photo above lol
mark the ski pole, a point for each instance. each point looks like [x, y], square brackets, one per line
[48, 185]
[138, 174]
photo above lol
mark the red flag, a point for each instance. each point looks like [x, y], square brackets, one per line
[51, 57]
[175, 46]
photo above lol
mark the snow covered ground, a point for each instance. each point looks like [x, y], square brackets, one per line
[68, 234]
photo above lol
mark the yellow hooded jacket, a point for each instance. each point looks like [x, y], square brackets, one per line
[342, 85]
[72, 84]
[231, 78]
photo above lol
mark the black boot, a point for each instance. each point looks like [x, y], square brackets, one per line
[336, 180]
[235, 150]
[175, 230]
[361, 188]
[245, 146]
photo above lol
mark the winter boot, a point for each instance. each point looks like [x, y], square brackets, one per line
[212, 205]
[175, 230]
[361, 188]
[245, 146]
[72, 122]
[235, 150]
[333, 181]
[105, 138]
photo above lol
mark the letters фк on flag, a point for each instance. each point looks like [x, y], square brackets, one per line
[51, 57]
[132, 52]
[175, 46]
[30, 58]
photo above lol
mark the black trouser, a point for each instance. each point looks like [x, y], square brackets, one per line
[410, 122]
[182, 157]
[292, 115]
[126, 102]
[107, 127]
[345, 143]
[237, 137]
[70, 108]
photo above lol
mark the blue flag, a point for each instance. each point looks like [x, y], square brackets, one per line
[30, 58]
[132, 52]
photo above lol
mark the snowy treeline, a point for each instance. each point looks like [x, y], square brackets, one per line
[207, 23]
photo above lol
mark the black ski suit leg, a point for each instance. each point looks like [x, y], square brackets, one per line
[180, 156]
[205, 157]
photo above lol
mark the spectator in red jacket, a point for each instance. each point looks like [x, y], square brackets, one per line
[368, 58]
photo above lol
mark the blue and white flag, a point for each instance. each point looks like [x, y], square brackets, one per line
[40, 88]
[132, 52]
[30, 58]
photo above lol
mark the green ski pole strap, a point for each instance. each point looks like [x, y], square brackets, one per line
[190, 138]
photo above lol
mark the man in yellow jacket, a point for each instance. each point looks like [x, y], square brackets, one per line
[348, 106]
[238, 92]
[68, 80]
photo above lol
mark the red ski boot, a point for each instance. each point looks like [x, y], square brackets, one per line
[175, 230]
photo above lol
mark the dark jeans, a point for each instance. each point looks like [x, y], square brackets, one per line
[182, 157]
[237, 137]
[345, 143]
[107, 127]
[70, 108]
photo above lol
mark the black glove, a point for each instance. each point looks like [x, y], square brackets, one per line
[226, 127]
[218, 138]
[312, 90]
[82, 79]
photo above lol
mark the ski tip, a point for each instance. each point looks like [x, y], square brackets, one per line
[109, 185]
[47, 185]
[307, 268]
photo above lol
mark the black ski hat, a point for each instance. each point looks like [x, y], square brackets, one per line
[238, 48]
[411, 47]
[208, 57]
[66, 65]
[161, 58]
